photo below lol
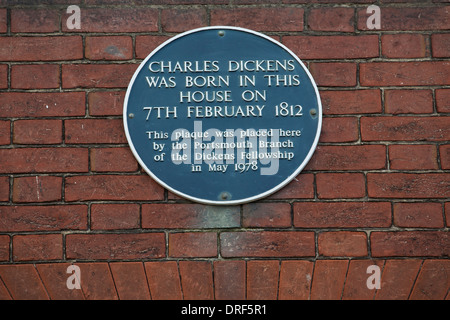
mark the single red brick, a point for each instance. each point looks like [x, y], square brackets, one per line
[54, 277]
[193, 244]
[301, 187]
[275, 215]
[37, 247]
[351, 102]
[342, 244]
[355, 287]
[4, 188]
[108, 103]
[344, 47]
[342, 129]
[112, 187]
[260, 19]
[333, 74]
[295, 280]
[262, 279]
[418, 215]
[57, 48]
[444, 151]
[196, 280]
[408, 185]
[331, 19]
[37, 131]
[397, 279]
[229, 279]
[179, 20]
[4, 294]
[146, 44]
[3, 76]
[410, 243]
[115, 246]
[114, 20]
[97, 282]
[423, 73]
[94, 131]
[130, 280]
[163, 280]
[413, 18]
[411, 157]
[3, 21]
[447, 213]
[329, 279]
[5, 132]
[36, 189]
[44, 160]
[443, 100]
[43, 218]
[114, 216]
[4, 248]
[109, 48]
[34, 20]
[406, 45]
[23, 282]
[97, 76]
[42, 104]
[405, 128]
[342, 214]
[189, 216]
[408, 101]
[441, 45]
[113, 159]
[340, 185]
[433, 281]
[357, 157]
[267, 244]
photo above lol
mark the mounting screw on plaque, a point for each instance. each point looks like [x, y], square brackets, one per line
[225, 196]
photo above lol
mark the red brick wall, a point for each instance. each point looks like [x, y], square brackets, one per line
[374, 193]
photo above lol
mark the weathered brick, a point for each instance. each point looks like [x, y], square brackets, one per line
[432, 282]
[112, 187]
[42, 104]
[344, 47]
[97, 76]
[4, 248]
[334, 74]
[97, 282]
[116, 20]
[340, 185]
[444, 151]
[329, 279]
[43, 218]
[229, 279]
[413, 157]
[342, 129]
[262, 279]
[106, 103]
[179, 20]
[4, 188]
[441, 45]
[196, 280]
[443, 100]
[37, 247]
[357, 157]
[163, 280]
[295, 280]
[109, 48]
[342, 214]
[146, 44]
[418, 215]
[424, 73]
[408, 185]
[112, 160]
[351, 102]
[270, 215]
[23, 282]
[410, 244]
[403, 45]
[301, 187]
[189, 216]
[37, 132]
[405, 128]
[342, 244]
[408, 101]
[260, 19]
[94, 131]
[36, 189]
[115, 246]
[34, 20]
[3, 76]
[44, 160]
[106, 216]
[267, 244]
[54, 278]
[55, 48]
[130, 280]
[5, 132]
[3, 21]
[331, 19]
[193, 244]
[355, 287]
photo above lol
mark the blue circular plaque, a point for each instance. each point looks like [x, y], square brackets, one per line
[222, 115]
